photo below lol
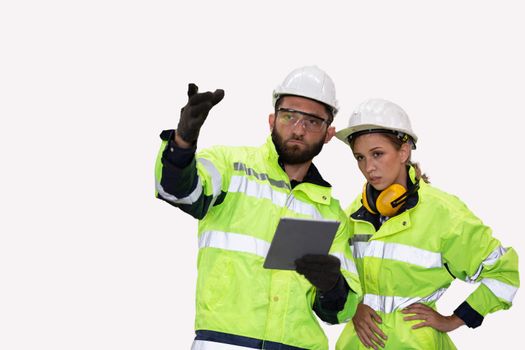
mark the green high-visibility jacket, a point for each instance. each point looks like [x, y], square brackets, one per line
[414, 257]
[239, 194]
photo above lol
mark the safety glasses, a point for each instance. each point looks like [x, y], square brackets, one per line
[310, 122]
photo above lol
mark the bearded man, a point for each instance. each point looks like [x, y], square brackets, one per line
[239, 195]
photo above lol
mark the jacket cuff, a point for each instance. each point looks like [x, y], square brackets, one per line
[470, 316]
[175, 155]
[328, 304]
[335, 298]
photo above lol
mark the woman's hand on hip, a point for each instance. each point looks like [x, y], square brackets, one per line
[431, 318]
[365, 324]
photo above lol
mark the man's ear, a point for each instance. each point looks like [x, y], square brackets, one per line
[271, 121]
[330, 132]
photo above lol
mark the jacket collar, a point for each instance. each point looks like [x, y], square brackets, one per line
[363, 214]
[313, 184]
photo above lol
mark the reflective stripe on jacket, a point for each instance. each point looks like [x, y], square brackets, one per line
[414, 257]
[239, 194]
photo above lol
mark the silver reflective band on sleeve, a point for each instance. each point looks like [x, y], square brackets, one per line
[404, 253]
[490, 260]
[233, 241]
[501, 290]
[346, 264]
[189, 199]
[242, 184]
[388, 304]
[216, 178]
[211, 345]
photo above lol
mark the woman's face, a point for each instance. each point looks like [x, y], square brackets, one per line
[379, 160]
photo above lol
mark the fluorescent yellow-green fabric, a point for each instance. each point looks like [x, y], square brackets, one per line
[404, 262]
[400, 336]
[235, 294]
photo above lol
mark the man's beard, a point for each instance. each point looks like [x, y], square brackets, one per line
[292, 154]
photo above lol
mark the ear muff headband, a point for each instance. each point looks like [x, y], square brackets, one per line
[368, 200]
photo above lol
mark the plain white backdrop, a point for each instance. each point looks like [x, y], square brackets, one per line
[89, 259]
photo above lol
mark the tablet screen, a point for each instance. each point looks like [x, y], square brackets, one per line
[296, 237]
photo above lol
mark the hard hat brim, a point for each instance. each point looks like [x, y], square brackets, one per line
[343, 134]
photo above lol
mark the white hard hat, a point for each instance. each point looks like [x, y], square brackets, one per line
[310, 82]
[378, 114]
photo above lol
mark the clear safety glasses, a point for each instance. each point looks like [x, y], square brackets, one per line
[311, 123]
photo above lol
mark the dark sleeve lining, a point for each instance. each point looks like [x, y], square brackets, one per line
[180, 179]
[328, 304]
[470, 316]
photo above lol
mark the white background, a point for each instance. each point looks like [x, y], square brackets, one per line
[90, 260]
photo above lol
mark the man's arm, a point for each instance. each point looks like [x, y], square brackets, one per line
[339, 304]
[335, 277]
[179, 180]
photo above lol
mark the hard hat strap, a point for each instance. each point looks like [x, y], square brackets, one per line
[400, 135]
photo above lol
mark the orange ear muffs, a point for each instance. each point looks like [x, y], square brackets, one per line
[387, 203]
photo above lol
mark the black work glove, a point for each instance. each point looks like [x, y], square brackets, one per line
[193, 115]
[322, 271]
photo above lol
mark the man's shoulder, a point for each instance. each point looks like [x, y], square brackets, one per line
[239, 151]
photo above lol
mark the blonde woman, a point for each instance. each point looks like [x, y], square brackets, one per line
[411, 240]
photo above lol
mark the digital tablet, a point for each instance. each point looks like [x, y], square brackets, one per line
[296, 237]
